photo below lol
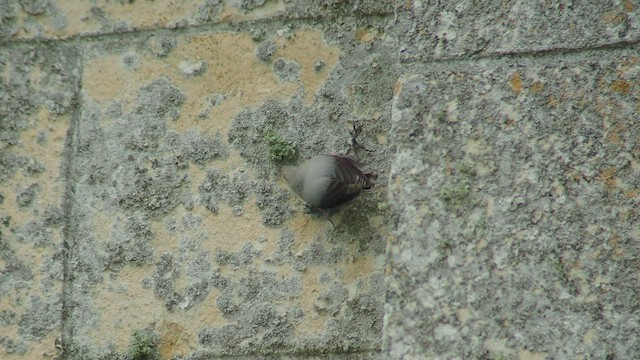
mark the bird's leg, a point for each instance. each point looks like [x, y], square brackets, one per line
[331, 221]
[327, 214]
[355, 132]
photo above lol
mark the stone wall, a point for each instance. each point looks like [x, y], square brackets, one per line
[143, 214]
[515, 182]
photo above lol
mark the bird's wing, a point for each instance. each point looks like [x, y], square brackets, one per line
[346, 183]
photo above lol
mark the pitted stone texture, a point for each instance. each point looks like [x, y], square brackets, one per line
[184, 228]
[38, 86]
[55, 19]
[515, 188]
[61, 18]
[467, 28]
[364, 355]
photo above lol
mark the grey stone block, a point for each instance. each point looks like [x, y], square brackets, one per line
[514, 189]
[466, 28]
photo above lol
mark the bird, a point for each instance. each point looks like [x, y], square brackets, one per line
[327, 181]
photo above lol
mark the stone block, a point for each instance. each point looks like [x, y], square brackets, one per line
[515, 187]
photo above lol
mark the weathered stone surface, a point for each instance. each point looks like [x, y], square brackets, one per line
[38, 85]
[185, 235]
[143, 214]
[460, 29]
[515, 189]
[55, 19]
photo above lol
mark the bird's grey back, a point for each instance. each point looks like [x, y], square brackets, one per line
[327, 181]
[319, 172]
[337, 180]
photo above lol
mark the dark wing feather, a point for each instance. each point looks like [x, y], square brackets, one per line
[347, 181]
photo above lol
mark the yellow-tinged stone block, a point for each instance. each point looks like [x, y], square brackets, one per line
[29, 247]
[232, 71]
[277, 271]
[64, 18]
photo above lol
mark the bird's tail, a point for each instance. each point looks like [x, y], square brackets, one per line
[370, 181]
